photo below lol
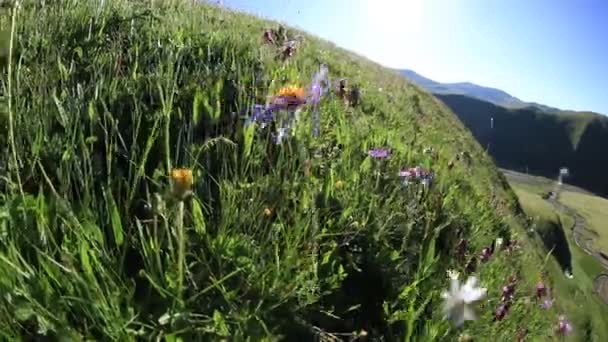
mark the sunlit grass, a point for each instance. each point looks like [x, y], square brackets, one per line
[139, 205]
[595, 211]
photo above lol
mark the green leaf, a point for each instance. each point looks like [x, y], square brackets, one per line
[220, 324]
[196, 107]
[114, 218]
[23, 313]
[199, 219]
[249, 134]
[63, 118]
[78, 51]
[84, 258]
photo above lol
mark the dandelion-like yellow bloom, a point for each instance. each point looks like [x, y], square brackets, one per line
[182, 182]
[292, 91]
[339, 185]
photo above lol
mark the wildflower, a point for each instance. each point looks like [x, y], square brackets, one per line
[547, 304]
[501, 311]
[319, 85]
[339, 185]
[318, 88]
[485, 255]
[453, 274]
[289, 97]
[267, 212]
[379, 153]
[459, 300]
[563, 326]
[280, 135]
[292, 91]
[405, 173]
[262, 114]
[289, 48]
[181, 182]
[268, 36]
[541, 290]
[508, 291]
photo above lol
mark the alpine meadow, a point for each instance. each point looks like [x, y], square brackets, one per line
[174, 170]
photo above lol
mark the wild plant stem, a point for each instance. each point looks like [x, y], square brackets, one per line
[11, 118]
[181, 247]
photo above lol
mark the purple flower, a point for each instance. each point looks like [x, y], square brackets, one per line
[563, 326]
[508, 292]
[319, 85]
[485, 255]
[380, 153]
[501, 311]
[541, 290]
[405, 173]
[261, 114]
[287, 102]
[547, 304]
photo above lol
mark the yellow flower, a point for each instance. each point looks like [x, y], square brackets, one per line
[339, 185]
[292, 91]
[267, 212]
[182, 182]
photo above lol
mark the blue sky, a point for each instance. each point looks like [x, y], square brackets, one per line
[550, 51]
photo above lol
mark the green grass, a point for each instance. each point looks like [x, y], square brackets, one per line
[103, 99]
[539, 143]
[595, 211]
[575, 295]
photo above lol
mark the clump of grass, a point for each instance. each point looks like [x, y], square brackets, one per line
[245, 238]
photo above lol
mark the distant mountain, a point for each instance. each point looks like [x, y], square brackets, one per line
[529, 140]
[492, 95]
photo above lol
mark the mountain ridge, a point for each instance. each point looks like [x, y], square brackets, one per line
[470, 89]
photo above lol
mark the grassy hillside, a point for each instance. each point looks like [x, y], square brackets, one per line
[595, 211]
[575, 295]
[540, 143]
[116, 110]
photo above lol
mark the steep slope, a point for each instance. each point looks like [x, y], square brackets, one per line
[492, 95]
[540, 143]
[143, 203]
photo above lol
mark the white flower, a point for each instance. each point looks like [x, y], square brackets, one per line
[499, 242]
[453, 274]
[459, 300]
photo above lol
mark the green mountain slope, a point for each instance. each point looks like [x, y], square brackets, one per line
[540, 143]
[309, 238]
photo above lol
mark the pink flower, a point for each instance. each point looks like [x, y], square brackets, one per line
[508, 292]
[541, 290]
[501, 311]
[563, 326]
[485, 255]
